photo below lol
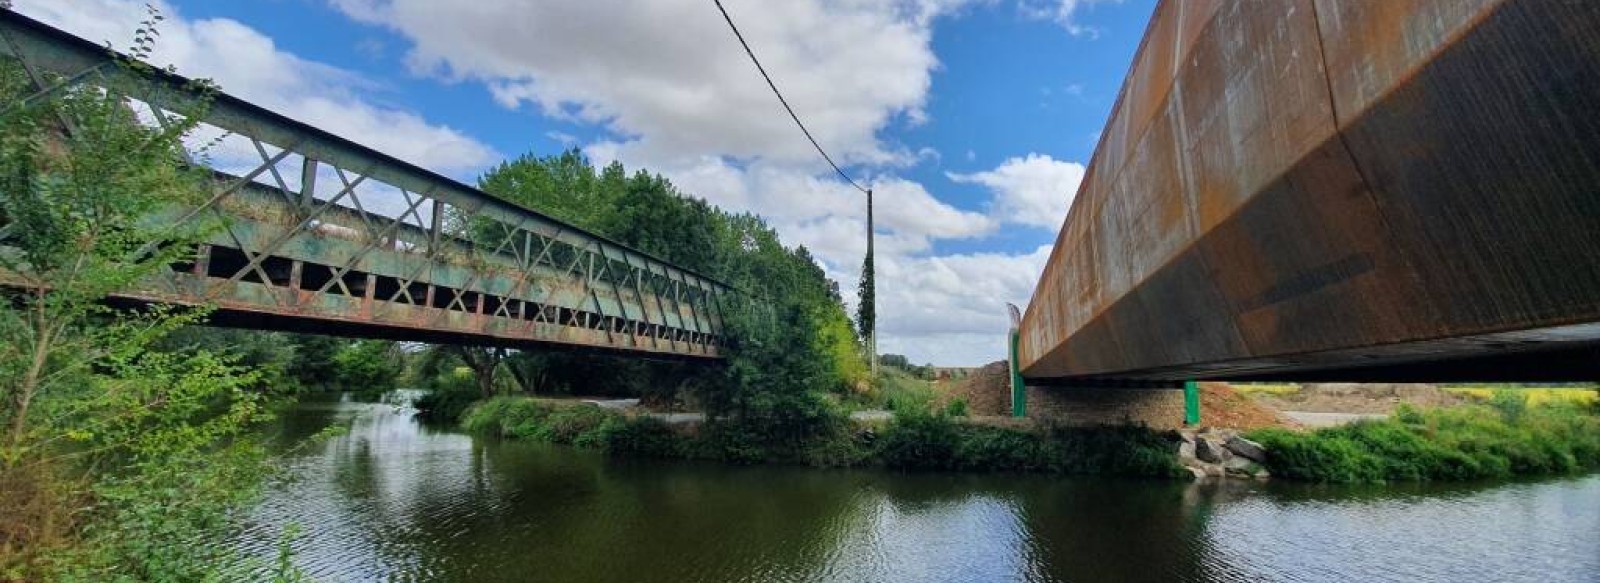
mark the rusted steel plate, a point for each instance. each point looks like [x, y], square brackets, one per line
[1426, 193]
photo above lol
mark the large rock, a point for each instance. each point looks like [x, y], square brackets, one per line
[1186, 452]
[1211, 450]
[1239, 466]
[1247, 449]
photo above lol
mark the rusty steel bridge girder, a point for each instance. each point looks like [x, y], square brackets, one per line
[306, 244]
[1307, 189]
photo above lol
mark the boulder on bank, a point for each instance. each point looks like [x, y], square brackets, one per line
[1247, 449]
[1218, 453]
[1211, 450]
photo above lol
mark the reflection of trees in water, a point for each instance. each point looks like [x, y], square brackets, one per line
[1116, 530]
[560, 514]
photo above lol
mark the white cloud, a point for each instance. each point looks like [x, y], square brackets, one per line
[669, 75]
[1035, 190]
[678, 96]
[951, 310]
[1061, 12]
[248, 64]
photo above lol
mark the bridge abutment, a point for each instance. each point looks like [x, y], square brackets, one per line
[1089, 406]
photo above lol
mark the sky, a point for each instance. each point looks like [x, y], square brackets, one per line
[971, 120]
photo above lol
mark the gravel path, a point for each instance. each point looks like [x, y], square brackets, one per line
[1315, 420]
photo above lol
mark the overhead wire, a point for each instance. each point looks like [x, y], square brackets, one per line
[785, 102]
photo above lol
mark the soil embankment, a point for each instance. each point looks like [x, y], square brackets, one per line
[1359, 398]
[987, 392]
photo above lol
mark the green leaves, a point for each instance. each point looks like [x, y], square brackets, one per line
[787, 332]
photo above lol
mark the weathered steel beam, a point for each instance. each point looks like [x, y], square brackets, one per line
[476, 269]
[1296, 187]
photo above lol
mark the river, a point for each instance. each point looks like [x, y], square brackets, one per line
[392, 500]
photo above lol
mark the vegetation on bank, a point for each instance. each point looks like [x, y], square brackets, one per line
[914, 440]
[124, 442]
[1503, 438]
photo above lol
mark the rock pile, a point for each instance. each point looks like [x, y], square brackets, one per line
[1218, 453]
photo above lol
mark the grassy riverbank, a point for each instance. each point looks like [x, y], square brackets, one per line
[912, 441]
[1503, 438]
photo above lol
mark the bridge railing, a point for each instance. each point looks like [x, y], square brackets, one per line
[319, 227]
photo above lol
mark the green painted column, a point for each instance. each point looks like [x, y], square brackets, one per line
[1019, 392]
[1191, 403]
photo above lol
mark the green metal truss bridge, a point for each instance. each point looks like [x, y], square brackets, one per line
[324, 235]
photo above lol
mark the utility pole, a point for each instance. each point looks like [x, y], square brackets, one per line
[872, 284]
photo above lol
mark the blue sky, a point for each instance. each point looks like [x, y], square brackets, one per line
[971, 119]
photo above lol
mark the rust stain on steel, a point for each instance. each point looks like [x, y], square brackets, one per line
[1308, 184]
[445, 262]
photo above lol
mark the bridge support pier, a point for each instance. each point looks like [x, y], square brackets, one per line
[1156, 407]
[1191, 403]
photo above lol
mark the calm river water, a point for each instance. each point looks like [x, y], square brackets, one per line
[395, 501]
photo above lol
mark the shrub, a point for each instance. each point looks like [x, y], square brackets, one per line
[570, 424]
[919, 441]
[1511, 403]
[642, 436]
[936, 442]
[1459, 443]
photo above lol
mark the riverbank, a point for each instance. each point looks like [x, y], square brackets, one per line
[393, 500]
[1466, 442]
[926, 441]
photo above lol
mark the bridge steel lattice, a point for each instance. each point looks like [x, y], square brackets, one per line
[319, 233]
[1332, 189]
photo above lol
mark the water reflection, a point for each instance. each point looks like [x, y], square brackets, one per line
[392, 501]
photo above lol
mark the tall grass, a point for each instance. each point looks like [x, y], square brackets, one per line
[917, 439]
[1504, 438]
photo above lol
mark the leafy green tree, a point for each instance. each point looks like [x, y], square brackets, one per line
[84, 184]
[647, 212]
[367, 365]
[116, 453]
[314, 367]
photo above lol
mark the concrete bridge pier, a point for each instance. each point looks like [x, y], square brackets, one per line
[1082, 406]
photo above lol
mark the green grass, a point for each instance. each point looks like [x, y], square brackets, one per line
[1505, 439]
[937, 442]
[916, 440]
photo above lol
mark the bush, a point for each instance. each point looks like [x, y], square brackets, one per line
[570, 425]
[919, 441]
[936, 442]
[585, 426]
[643, 436]
[1502, 439]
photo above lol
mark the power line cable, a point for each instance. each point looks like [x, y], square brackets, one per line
[785, 102]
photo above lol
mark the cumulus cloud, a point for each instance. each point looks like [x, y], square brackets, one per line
[676, 94]
[249, 65]
[1034, 190]
[952, 309]
[669, 75]
[1062, 12]
[672, 91]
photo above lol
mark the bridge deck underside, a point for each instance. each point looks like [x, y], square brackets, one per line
[1330, 189]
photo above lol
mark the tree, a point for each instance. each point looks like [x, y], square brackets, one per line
[867, 311]
[103, 427]
[646, 211]
[367, 365]
[84, 183]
